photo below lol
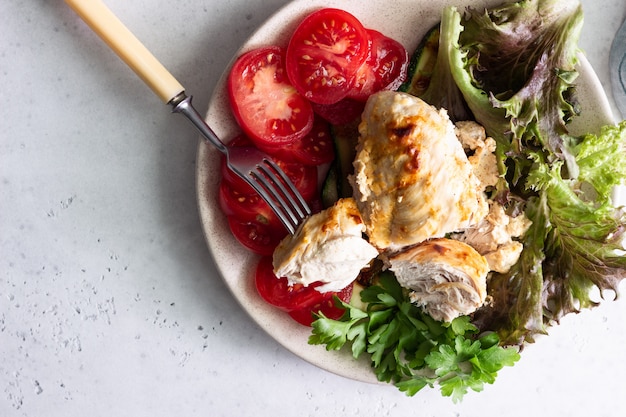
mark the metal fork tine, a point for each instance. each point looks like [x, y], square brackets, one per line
[264, 189]
[277, 185]
[271, 190]
[257, 169]
[298, 203]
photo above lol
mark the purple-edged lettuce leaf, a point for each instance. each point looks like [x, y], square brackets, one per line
[575, 244]
[515, 66]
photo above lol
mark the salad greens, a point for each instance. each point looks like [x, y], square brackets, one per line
[411, 349]
[514, 68]
[576, 241]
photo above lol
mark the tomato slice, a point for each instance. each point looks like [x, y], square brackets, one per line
[324, 53]
[316, 148]
[277, 291]
[304, 177]
[258, 237]
[342, 112]
[246, 206]
[266, 106]
[384, 69]
[298, 301]
[328, 307]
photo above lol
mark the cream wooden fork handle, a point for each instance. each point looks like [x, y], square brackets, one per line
[102, 21]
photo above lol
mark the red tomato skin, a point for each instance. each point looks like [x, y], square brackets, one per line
[277, 291]
[266, 106]
[342, 112]
[384, 69]
[259, 238]
[245, 206]
[315, 149]
[328, 307]
[324, 53]
[303, 176]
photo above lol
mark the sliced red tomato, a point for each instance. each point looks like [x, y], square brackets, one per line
[277, 291]
[260, 238]
[315, 148]
[324, 53]
[266, 106]
[304, 177]
[316, 205]
[328, 307]
[246, 206]
[342, 112]
[384, 69]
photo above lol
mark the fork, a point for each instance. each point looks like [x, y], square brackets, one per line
[253, 166]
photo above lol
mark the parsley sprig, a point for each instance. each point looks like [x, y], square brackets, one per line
[409, 348]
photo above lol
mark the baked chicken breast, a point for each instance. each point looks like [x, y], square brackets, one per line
[328, 247]
[412, 180]
[447, 278]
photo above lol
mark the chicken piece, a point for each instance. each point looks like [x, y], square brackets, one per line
[412, 180]
[493, 237]
[504, 257]
[471, 134]
[328, 247]
[447, 278]
[482, 149]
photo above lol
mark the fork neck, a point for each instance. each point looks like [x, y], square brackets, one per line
[182, 104]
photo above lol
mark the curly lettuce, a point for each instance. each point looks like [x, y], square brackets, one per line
[515, 66]
[575, 244]
[585, 245]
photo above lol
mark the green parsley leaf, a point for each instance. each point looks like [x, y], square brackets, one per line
[410, 348]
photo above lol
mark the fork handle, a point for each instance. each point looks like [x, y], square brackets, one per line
[112, 31]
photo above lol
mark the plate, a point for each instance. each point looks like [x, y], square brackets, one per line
[404, 20]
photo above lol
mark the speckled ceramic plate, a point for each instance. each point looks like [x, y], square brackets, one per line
[405, 21]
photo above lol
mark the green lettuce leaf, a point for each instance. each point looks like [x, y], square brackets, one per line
[575, 244]
[586, 238]
[515, 312]
[515, 66]
[442, 91]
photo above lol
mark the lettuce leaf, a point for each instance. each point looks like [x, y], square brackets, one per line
[442, 91]
[575, 244]
[515, 66]
[516, 310]
[586, 237]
